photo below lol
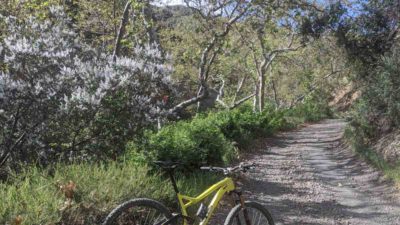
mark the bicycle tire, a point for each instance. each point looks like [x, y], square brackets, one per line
[236, 215]
[122, 215]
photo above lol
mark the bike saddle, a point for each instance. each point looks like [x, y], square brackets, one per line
[167, 164]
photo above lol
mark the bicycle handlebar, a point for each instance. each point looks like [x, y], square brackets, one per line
[229, 170]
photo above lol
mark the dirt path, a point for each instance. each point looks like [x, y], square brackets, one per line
[307, 177]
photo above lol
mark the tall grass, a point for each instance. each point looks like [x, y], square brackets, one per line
[35, 195]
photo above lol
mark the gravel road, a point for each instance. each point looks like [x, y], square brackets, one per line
[308, 177]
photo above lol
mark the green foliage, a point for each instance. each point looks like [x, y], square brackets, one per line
[369, 33]
[310, 111]
[360, 122]
[369, 38]
[37, 198]
[193, 143]
[372, 46]
[210, 138]
[361, 132]
[383, 95]
[377, 111]
[242, 125]
[315, 25]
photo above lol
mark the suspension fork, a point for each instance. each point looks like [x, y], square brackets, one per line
[243, 208]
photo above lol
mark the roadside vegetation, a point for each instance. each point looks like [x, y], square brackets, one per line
[84, 192]
[372, 45]
[363, 146]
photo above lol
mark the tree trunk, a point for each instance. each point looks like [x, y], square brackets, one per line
[261, 90]
[121, 31]
[114, 16]
[256, 97]
[277, 104]
[274, 90]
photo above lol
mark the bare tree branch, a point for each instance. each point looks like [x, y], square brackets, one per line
[276, 51]
[187, 103]
[5, 156]
[241, 101]
[234, 103]
[239, 88]
[220, 94]
[211, 61]
[222, 103]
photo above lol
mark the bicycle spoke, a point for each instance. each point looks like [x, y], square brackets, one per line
[140, 216]
[158, 219]
[256, 217]
[147, 217]
[253, 218]
[259, 219]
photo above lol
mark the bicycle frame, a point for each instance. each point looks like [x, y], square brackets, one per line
[221, 188]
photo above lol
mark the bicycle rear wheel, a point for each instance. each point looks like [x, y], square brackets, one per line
[139, 211]
[257, 215]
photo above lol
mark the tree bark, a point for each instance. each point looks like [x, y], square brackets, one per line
[239, 88]
[121, 31]
[256, 97]
[261, 94]
[114, 16]
[277, 104]
[261, 79]
[241, 101]
[265, 64]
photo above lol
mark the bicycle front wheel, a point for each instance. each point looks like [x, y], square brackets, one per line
[139, 211]
[255, 213]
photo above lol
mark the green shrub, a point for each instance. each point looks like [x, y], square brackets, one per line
[208, 138]
[242, 125]
[193, 143]
[236, 125]
[310, 111]
[273, 121]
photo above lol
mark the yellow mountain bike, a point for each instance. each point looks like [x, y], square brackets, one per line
[144, 211]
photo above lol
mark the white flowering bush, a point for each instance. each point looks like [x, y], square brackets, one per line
[61, 98]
